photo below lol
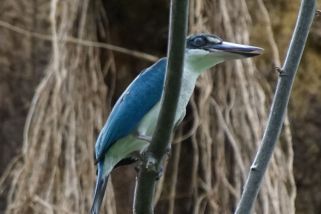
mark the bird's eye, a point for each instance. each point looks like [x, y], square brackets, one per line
[199, 41]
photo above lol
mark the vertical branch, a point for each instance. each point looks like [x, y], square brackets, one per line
[152, 158]
[279, 106]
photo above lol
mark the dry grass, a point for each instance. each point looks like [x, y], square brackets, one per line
[57, 172]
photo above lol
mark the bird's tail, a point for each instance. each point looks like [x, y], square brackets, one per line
[101, 184]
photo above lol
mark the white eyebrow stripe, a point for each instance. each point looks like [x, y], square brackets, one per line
[214, 40]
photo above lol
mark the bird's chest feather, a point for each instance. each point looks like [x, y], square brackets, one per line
[148, 124]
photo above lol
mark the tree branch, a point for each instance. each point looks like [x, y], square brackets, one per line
[77, 41]
[279, 106]
[152, 158]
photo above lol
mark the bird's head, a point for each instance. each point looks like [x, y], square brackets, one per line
[203, 51]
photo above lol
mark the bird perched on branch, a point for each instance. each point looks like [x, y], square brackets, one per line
[131, 123]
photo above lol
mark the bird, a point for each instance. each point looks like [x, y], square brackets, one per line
[132, 121]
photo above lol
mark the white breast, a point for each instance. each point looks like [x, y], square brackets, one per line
[148, 124]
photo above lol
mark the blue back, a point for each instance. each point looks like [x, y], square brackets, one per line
[136, 101]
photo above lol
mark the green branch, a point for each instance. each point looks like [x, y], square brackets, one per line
[279, 106]
[152, 158]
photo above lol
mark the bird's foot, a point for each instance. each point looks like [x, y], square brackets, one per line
[151, 167]
[151, 163]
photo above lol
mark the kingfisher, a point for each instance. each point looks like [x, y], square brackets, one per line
[132, 121]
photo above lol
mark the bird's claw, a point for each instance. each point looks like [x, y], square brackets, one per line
[151, 164]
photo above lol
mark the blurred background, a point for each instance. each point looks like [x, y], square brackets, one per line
[59, 78]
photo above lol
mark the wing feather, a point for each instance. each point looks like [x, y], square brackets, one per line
[139, 97]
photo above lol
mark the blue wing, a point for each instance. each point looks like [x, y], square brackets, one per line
[139, 97]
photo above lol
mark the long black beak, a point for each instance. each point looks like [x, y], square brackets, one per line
[100, 189]
[243, 50]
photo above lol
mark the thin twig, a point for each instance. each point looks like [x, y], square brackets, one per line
[279, 106]
[50, 206]
[5, 175]
[73, 40]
